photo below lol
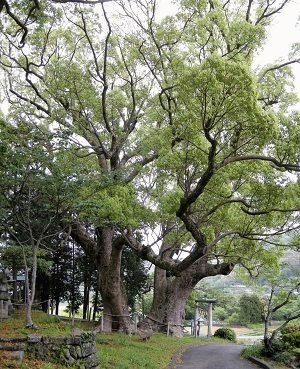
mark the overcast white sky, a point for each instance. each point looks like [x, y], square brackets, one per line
[284, 32]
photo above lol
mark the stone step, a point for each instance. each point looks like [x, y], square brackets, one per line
[13, 348]
[16, 356]
[8, 346]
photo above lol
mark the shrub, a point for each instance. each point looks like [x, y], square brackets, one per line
[275, 350]
[226, 333]
[253, 350]
[220, 313]
[291, 335]
[283, 357]
[296, 353]
[234, 318]
[291, 328]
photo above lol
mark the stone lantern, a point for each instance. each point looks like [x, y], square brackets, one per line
[5, 303]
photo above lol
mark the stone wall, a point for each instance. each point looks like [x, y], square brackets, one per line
[13, 348]
[77, 350]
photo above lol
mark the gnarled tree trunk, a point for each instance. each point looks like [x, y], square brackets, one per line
[106, 253]
[115, 307]
[171, 293]
[168, 304]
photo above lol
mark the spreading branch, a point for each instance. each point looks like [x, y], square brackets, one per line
[268, 11]
[275, 67]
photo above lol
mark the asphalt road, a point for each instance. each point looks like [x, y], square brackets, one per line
[211, 356]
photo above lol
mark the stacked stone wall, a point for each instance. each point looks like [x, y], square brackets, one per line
[76, 350]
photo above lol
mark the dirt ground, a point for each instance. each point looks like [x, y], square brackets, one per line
[239, 330]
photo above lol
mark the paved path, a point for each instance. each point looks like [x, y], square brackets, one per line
[212, 356]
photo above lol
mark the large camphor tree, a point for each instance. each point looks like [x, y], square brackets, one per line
[193, 156]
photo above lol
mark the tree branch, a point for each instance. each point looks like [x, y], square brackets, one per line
[277, 67]
[249, 10]
[189, 199]
[104, 73]
[265, 13]
[4, 3]
[80, 236]
[277, 164]
[269, 211]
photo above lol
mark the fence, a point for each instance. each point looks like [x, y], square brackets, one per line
[134, 319]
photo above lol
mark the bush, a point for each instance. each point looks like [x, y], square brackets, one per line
[276, 353]
[226, 333]
[283, 357]
[291, 335]
[275, 350]
[220, 313]
[253, 350]
[234, 318]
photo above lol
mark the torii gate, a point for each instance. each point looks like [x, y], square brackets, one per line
[210, 302]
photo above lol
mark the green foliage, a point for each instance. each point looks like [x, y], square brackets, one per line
[226, 333]
[87, 337]
[251, 309]
[285, 311]
[277, 354]
[134, 275]
[117, 119]
[220, 314]
[296, 354]
[253, 350]
[146, 303]
[283, 349]
[190, 306]
[234, 318]
[227, 302]
[114, 203]
[290, 335]
[276, 351]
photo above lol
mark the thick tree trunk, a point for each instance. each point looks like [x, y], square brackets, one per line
[115, 307]
[170, 295]
[107, 258]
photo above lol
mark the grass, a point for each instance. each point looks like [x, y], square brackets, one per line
[116, 351]
[29, 364]
[119, 351]
[47, 325]
[255, 351]
[256, 329]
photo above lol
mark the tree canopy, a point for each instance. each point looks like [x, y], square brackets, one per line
[170, 129]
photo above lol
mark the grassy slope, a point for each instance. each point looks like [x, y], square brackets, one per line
[116, 351]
